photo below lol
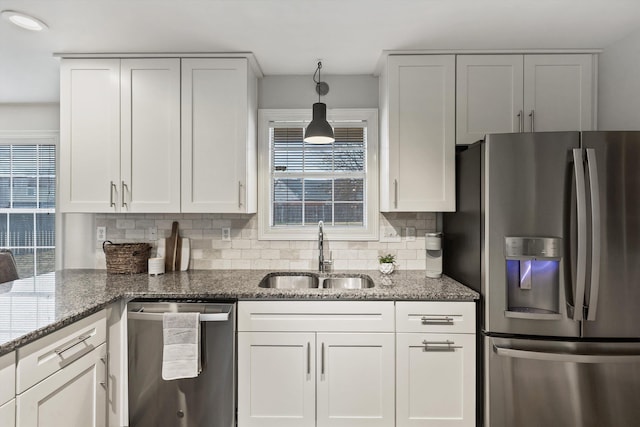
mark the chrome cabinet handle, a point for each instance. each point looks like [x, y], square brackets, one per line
[322, 361]
[103, 383]
[78, 340]
[446, 319]
[111, 202]
[308, 358]
[594, 185]
[531, 114]
[395, 193]
[239, 194]
[520, 120]
[438, 345]
[581, 267]
[123, 188]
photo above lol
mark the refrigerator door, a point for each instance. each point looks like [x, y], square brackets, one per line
[528, 190]
[557, 383]
[612, 307]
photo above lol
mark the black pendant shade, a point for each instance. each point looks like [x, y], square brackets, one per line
[319, 130]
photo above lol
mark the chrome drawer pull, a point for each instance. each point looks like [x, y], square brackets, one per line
[437, 345]
[445, 319]
[79, 340]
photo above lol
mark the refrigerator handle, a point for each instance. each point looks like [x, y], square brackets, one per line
[596, 241]
[581, 268]
[565, 357]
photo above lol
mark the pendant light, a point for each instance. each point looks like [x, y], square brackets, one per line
[319, 130]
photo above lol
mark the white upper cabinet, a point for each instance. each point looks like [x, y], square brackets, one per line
[558, 92]
[523, 93]
[219, 148]
[89, 135]
[120, 135]
[150, 135]
[417, 102]
[488, 96]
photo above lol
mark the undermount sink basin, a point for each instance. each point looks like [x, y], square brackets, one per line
[288, 281]
[314, 281]
[347, 283]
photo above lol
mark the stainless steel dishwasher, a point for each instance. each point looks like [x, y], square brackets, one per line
[207, 400]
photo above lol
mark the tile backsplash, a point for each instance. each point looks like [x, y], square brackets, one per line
[245, 251]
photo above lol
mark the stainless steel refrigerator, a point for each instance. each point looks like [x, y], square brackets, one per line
[547, 229]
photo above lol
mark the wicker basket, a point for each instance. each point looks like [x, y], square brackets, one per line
[126, 258]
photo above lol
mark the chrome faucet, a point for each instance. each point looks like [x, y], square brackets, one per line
[321, 247]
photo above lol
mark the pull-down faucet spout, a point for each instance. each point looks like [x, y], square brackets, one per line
[321, 247]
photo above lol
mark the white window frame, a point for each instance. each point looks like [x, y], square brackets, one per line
[265, 230]
[31, 137]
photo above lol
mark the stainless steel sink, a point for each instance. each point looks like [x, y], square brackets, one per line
[289, 281]
[360, 282]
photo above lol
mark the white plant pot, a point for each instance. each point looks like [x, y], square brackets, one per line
[386, 267]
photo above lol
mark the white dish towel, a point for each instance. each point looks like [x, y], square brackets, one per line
[181, 345]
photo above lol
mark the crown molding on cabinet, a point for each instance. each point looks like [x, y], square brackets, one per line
[253, 62]
[386, 53]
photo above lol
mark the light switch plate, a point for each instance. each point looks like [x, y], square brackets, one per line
[410, 234]
[153, 234]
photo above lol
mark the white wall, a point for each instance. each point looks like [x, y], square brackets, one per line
[619, 85]
[357, 91]
[29, 117]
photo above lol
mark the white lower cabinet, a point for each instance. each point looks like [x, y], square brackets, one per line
[276, 379]
[315, 363]
[74, 396]
[355, 379]
[435, 384]
[8, 414]
[435, 364]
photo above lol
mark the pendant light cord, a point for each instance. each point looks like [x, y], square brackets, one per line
[319, 79]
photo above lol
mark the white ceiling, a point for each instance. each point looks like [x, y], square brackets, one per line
[288, 36]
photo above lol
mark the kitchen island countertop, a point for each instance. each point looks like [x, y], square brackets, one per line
[33, 307]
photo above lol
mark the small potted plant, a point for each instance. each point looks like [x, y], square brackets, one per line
[387, 263]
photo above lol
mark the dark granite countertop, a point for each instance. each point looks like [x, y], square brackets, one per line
[31, 308]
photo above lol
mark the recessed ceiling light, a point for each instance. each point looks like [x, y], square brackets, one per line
[23, 20]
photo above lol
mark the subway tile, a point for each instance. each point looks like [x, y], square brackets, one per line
[250, 254]
[231, 254]
[241, 264]
[137, 235]
[240, 244]
[280, 244]
[406, 254]
[126, 224]
[270, 254]
[221, 264]
[201, 244]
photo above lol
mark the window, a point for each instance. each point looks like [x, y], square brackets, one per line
[302, 184]
[27, 202]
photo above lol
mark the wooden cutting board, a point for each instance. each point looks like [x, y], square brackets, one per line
[172, 248]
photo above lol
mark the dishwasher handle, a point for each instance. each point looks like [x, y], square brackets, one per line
[204, 317]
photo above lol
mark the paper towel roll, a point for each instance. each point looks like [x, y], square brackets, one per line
[156, 266]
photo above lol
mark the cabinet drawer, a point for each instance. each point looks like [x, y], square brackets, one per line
[321, 316]
[445, 317]
[7, 377]
[53, 352]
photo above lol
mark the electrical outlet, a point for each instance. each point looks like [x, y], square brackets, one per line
[390, 235]
[101, 234]
[410, 234]
[153, 233]
[226, 234]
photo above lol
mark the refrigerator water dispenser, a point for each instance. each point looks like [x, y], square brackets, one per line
[533, 277]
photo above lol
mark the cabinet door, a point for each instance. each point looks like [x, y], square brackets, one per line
[421, 134]
[217, 142]
[8, 414]
[488, 96]
[150, 138]
[355, 379]
[435, 384]
[73, 396]
[89, 135]
[558, 92]
[276, 379]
